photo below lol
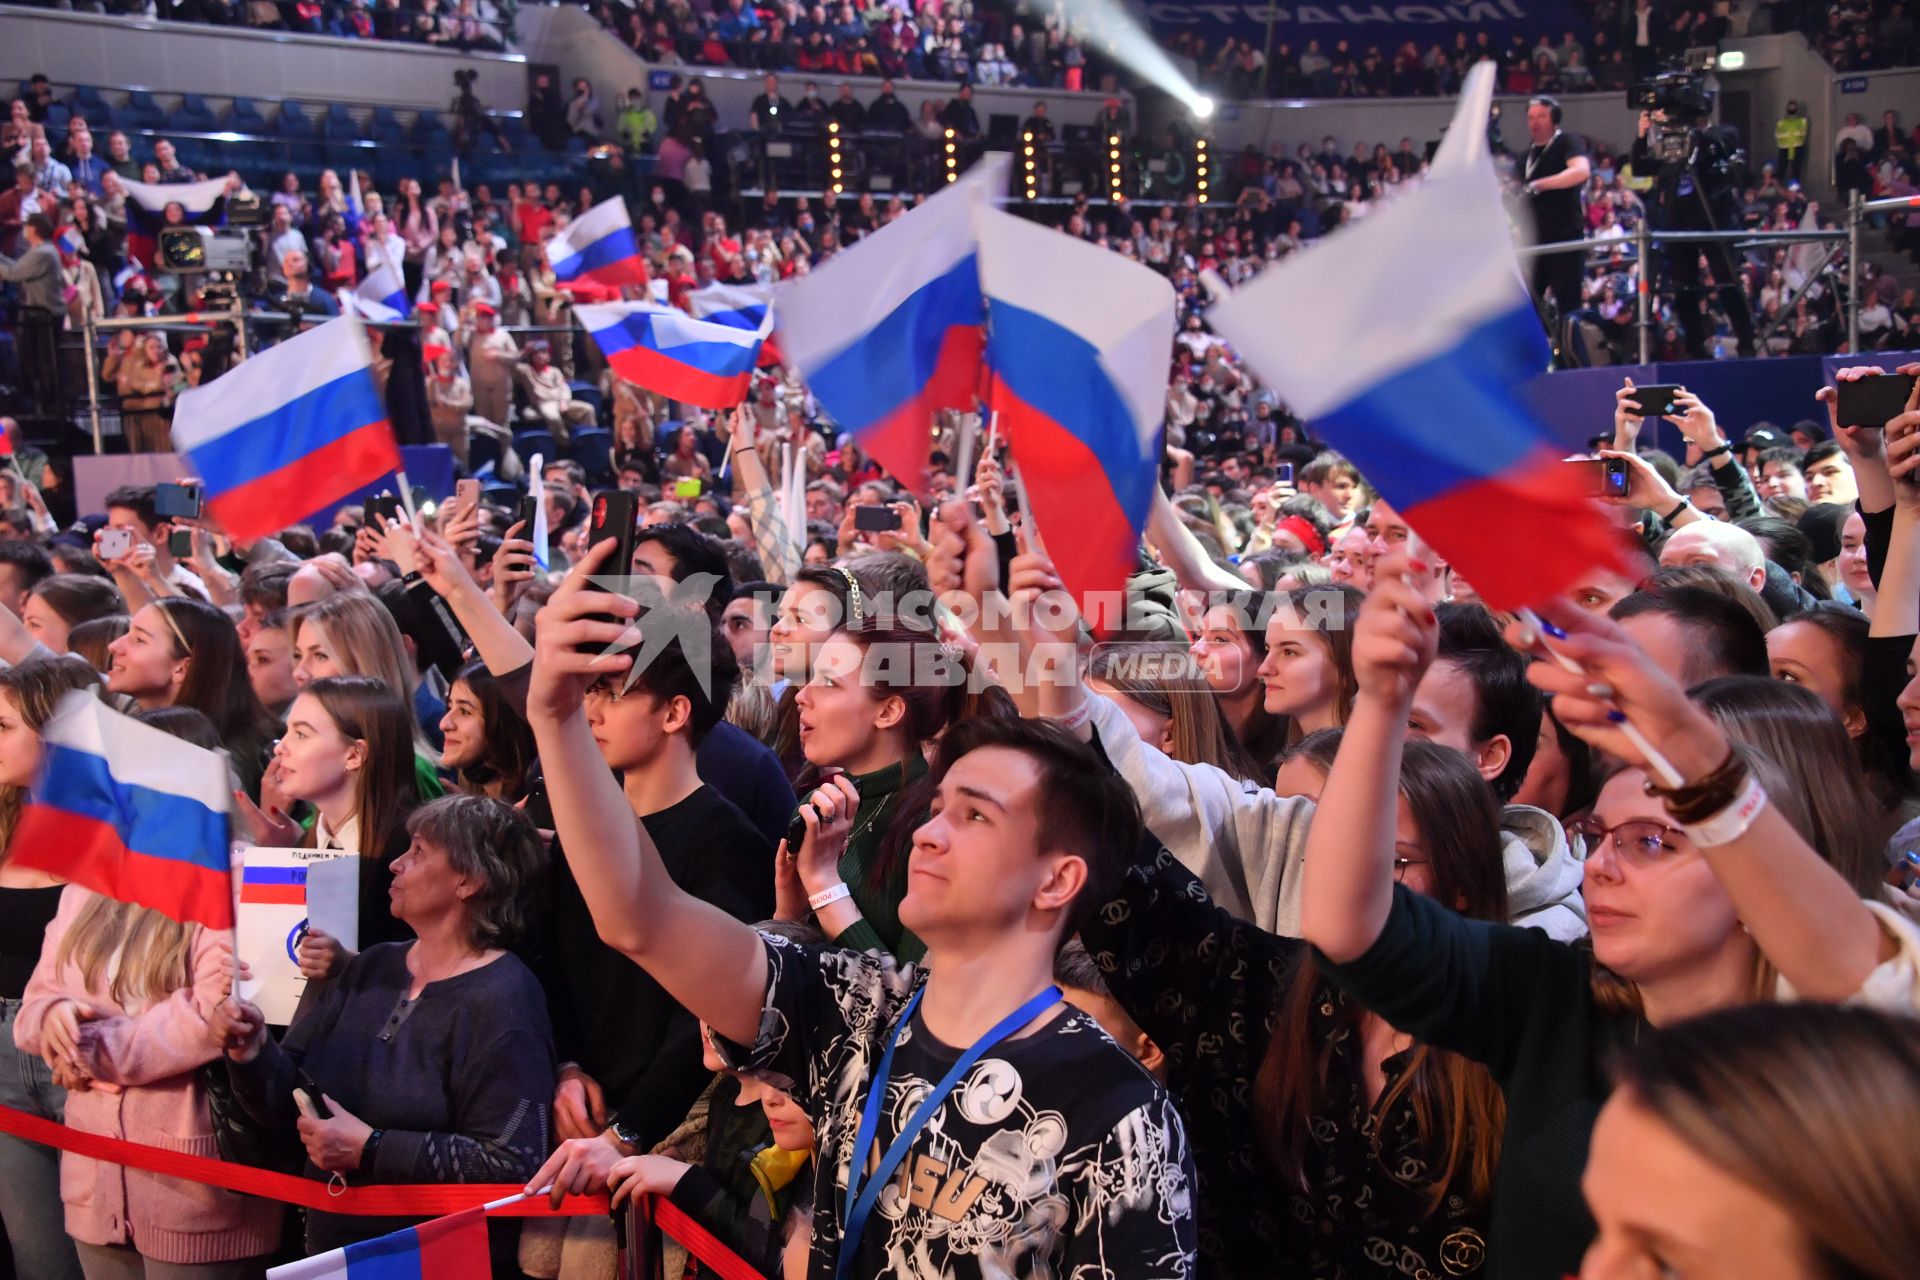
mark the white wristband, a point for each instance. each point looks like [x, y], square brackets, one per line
[1731, 822]
[829, 895]
[1076, 717]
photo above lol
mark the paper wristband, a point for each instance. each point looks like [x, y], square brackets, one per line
[829, 895]
[1076, 717]
[1731, 822]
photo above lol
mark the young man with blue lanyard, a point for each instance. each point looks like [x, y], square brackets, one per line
[969, 1123]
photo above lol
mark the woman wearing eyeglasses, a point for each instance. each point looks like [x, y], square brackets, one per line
[1708, 895]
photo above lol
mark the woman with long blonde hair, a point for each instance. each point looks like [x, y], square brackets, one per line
[29, 900]
[118, 1006]
[352, 634]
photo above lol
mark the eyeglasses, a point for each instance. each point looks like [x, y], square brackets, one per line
[1640, 842]
[608, 687]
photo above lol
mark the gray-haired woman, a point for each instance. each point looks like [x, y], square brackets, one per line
[432, 1059]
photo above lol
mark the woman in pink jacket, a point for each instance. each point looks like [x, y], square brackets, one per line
[118, 1005]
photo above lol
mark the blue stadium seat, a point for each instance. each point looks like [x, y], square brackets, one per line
[88, 99]
[294, 122]
[194, 115]
[57, 115]
[386, 128]
[143, 112]
[427, 127]
[244, 117]
[592, 448]
[483, 451]
[340, 123]
[500, 495]
[535, 440]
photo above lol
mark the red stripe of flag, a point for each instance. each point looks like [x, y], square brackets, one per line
[90, 853]
[645, 367]
[284, 895]
[455, 1245]
[280, 498]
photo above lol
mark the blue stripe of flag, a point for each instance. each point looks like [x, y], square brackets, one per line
[301, 427]
[392, 1257]
[891, 363]
[274, 875]
[1446, 421]
[723, 359]
[616, 246]
[1059, 373]
[151, 822]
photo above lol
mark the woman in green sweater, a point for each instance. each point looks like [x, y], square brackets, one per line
[879, 692]
[1704, 900]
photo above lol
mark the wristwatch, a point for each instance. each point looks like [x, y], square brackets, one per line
[628, 1136]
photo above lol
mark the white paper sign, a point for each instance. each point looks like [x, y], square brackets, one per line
[283, 892]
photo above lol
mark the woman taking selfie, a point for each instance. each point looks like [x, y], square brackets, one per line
[432, 1057]
[347, 751]
[29, 899]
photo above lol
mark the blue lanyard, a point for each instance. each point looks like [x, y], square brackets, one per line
[864, 1191]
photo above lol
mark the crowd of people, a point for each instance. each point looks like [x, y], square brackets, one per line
[1384, 947]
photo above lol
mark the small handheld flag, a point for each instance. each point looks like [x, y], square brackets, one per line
[1077, 339]
[1428, 407]
[666, 350]
[282, 435]
[381, 298]
[598, 246]
[889, 331]
[131, 812]
[455, 1245]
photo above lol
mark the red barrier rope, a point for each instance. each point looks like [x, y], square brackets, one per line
[426, 1201]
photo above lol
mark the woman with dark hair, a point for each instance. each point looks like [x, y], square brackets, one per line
[29, 899]
[456, 1086]
[186, 653]
[92, 642]
[818, 601]
[1825, 650]
[1307, 673]
[880, 692]
[1323, 1140]
[61, 602]
[347, 751]
[488, 743]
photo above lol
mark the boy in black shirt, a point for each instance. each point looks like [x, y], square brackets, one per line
[634, 1051]
[968, 1123]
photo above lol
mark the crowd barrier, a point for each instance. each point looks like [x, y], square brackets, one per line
[651, 1215]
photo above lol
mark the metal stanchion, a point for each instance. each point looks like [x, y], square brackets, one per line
[1643, 301]
[90, 352]
[1854, 214]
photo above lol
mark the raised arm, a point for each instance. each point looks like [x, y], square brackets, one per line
[704, 958]
[495, 640]
[1801, 913]
[1181, 552]
[1349, 868]
[1896, 611]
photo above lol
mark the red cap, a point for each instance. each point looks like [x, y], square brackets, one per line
[443, 286]
[429, 306]
[195, 344]
[485, 309]
[433, 351]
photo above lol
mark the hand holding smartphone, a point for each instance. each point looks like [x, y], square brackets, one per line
[1872, 401]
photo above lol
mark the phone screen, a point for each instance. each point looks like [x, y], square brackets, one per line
[876, 519]
[1655, 401]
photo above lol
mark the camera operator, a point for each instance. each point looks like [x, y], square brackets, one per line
[1555, 172]
[470, 119]
[1696, 185]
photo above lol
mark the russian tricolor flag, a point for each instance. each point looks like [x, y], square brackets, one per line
[381, 298]
[1078, 340]
[453, 1246]
[599, 246]
[744, 306]
[285, 433]
[1404, 340]
[666, 350]
[889, 331]
[131, 812]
